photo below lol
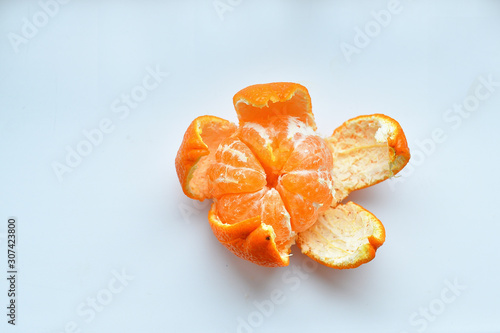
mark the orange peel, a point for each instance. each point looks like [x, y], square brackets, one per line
[275, 181]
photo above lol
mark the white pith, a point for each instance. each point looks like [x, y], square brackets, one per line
[339, 234]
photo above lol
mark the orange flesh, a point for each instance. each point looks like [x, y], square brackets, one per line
[211, 135]
[274, 178]
[302, 180]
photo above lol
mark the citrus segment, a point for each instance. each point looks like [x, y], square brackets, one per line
[303, 212]
[270, 115]
[306, 183]
[235, 169]
[366, 151]
[275, 215]
[268, 146]
[250, 240]
[235, 207]
[312, 185]
[273, 143]
[196, 152]
[310, 153]
[308, 170]
[344, 237]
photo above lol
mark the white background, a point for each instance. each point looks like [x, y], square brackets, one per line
[121, 209]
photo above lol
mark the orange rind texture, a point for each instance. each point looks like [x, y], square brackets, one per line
[275, 181]
[344, 237]
[262, 102]
[249, 239]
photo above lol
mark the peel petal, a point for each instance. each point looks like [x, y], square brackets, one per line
[366, 150]
[346, 236]
[261, 102]
[250, 239]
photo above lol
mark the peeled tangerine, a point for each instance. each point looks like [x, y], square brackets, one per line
[275, 182]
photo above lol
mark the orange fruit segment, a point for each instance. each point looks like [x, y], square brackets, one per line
[275, 215]
[235, 207]
[306, 183]
[196, 153]
[235, 169]
[270, 117]
[366, 151]
[303, 210]
[344, 237]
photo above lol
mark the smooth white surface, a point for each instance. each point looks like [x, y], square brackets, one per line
[122, 208]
